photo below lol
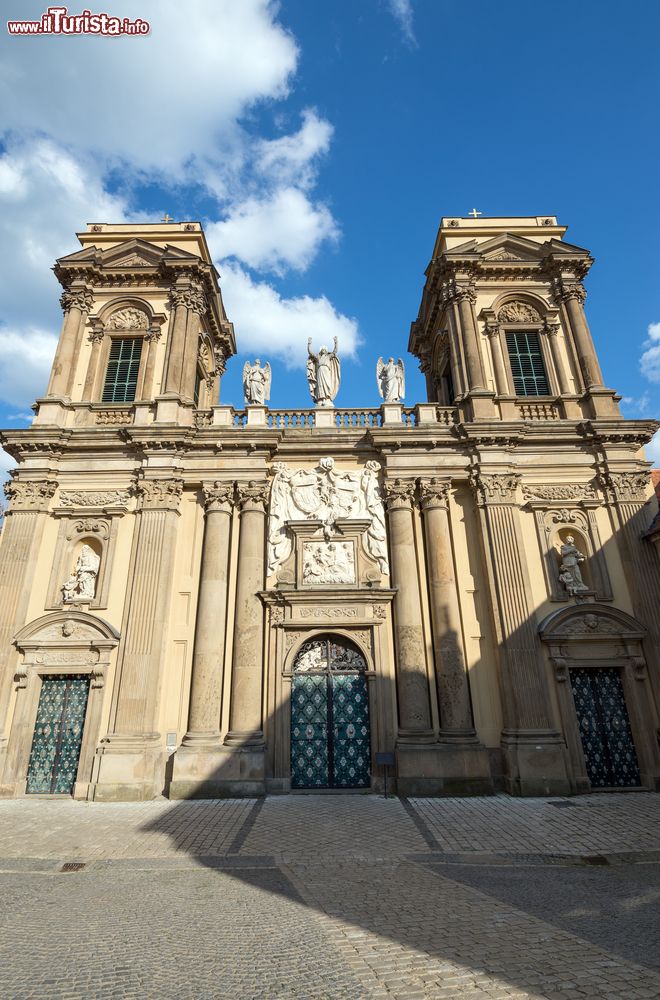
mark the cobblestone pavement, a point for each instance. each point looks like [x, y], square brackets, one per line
[326, 897]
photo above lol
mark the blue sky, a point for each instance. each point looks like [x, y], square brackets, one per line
[320, 144]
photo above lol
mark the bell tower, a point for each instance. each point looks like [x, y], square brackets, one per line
[501, 330]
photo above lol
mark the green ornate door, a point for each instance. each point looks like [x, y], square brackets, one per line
[330, 736]
[609, 751]
[58, 734]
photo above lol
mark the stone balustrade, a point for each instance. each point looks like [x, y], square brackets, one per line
[538, 411]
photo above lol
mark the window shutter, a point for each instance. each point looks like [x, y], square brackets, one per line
[122, 372]
[527, 368]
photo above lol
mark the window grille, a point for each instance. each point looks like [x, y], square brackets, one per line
[527, 368]
[122, 372]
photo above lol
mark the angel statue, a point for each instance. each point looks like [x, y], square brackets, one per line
[323, 374]
[256, 383]
[391, 380]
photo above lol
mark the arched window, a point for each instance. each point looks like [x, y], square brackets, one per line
[521, 324]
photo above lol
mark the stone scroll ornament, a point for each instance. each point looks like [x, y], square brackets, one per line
[391, 380]
[323, 374]
[323, 494]
[256, 383]
[81, 585]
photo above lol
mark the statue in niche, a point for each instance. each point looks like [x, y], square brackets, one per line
[391, 380]
[328, 562]
[81, 585]
[256, 383]
[569, 570]
[323, 374]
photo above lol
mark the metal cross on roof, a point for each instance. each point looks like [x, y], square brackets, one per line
[167, 218]
[474, 213]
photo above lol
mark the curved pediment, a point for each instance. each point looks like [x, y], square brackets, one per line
[67, 626]
[589, 621]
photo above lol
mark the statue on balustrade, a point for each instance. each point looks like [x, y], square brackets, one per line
[569, 570]
[323, 374]
[81, 585]
[391, 380]
[256, 383]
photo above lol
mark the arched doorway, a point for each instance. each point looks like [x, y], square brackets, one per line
[330, 733]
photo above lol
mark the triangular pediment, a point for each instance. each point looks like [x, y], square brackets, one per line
[133, 253]
[507, 247]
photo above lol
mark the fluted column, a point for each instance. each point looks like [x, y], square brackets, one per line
[145, 625]
[96, 339]
[19, 547]
[76, 304]
[572, 294]
[208, 664]
[151, 338]
[245, 712]
[412, 680]
[450, 670]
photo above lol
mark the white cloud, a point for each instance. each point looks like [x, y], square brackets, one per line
[25, 360]
[151, 100]
[6, 463]
[653, 450]
[278, 327]
[279, 232]
[649, 363]
[638, 405]
[402, 11]
[292, 159]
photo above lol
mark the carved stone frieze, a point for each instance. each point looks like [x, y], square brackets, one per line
[630, 486]
[218, 496]
[380, 611]
[328, 562]
[29, 495]
[328, 613]
[518, 312]
[79, 298]
[276, 616]
[563, 491]
[497, 487]
[434, 492]
[159, 494]
[503, 255]
[115, 417]
[590, 625]
[69, 656]
[94, 498]
[129, 318]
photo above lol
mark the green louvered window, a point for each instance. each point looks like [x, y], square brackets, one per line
[527, 368]
[122, 372]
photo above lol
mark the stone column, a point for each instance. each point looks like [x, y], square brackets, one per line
[501, 382]
[196, 308]
[96, 336]
[466, 296]
[133, 734]
[220, 369]
[76, 304]
[208, 665]
[552, 331]
[412, 680]
[533, 750]
[151, 338]
[245, 712]
[450, 670]
[572, 294]
[19, 546]
[176, 339]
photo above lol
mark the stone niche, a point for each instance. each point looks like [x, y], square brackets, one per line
[320, 559]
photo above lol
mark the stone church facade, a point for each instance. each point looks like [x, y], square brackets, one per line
[199, 600]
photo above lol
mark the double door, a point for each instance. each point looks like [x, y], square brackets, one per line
[602, 715]
[58, 733]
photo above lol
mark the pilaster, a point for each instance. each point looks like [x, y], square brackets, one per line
[76, 303]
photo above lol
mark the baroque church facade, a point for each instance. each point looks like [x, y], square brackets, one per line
[203, 601]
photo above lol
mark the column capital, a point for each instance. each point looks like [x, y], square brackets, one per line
[159, 494]
[453, 290]
[400, 494]
[77, 298]
[627, 486]
[153, 334]
[29, 495]
[218, 496]
[566, 290]
[551, 329]
[491, 329]
[495, 487]
[252, 496]
[434, 493]
[190, 295]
